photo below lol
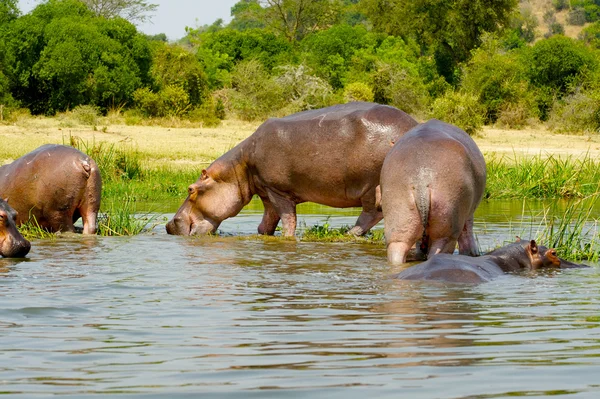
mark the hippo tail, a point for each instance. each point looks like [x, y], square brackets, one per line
[90, 204]
[422, 195]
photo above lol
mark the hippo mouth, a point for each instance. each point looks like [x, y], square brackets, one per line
[565, 264]
[178, 226]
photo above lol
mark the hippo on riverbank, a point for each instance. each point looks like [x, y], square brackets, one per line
[330, 156]
[512, 258]
[55, 184]
[12, 243]
[431, 183]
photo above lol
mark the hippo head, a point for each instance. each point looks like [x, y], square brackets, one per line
[541, 257]
[214, 197]
[12, 243]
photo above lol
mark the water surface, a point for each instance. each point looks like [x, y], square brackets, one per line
[162, 316]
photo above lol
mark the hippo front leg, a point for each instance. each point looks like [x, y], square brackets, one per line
[270, 219]
[371, 213]
[466, 241]
[286, 210]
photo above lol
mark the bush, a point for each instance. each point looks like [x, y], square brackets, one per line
[579, 112]
[171, 101]
[560, 5]
[555, 28]
[460, 109]
[576, 17]
[591, 35]
[301, 90]
[401, 88]
[358, 91]
[255, 95]
[86, 114]
[517, 115]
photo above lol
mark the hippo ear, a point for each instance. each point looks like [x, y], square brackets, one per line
[204, 175]
[533, 247]
[518, 239]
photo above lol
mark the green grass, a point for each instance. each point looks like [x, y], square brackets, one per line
[123, 220]
[32, 230]
[542, 177]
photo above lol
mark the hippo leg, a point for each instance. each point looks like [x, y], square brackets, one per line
[270, 219]
[370, 214]
[60, 221]
[466, 241]
[442, 245]
[286, 209]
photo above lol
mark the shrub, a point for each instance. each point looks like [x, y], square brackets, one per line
[579, 112]
[555, 28]
[401, 88]
[591, 35]
[86, 114]
[255, 95]
[358, 91]
[517, 115]
[560, 5]
[460, 109]
[171, 101]
[576, 17]
[302, 90]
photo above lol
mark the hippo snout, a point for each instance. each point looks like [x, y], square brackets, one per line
[177, 226]
[16, 249]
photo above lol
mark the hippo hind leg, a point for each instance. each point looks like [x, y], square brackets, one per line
[371, 213]
[466, 241]
[286, 209]
[270, 219]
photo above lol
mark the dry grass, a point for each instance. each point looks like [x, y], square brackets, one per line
[183, 148]
[539, 7]
[158, 146]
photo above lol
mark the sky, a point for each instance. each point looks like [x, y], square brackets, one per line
[172, 16]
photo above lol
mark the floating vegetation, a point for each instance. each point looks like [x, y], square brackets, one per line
[122, 220]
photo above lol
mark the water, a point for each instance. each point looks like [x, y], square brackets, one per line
[162, 316]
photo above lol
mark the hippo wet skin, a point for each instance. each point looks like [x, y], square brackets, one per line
[512, 258]
[55, 184]
[432, 181]
[12, 243]
[330, 156]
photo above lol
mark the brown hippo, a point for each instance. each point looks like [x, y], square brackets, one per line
[431, 183]
[512, 258]
[55, 184]
[331, 156]
[12, 243]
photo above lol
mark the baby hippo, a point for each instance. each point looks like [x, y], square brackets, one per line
[12, 243]
[54, 184]
[515, 257]
[431, 183]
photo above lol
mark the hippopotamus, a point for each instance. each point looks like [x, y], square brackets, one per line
[512, 258]
[56, 185]
[432, 181]
[12, 243]
[330, 156]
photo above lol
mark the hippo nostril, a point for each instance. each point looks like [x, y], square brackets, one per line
[191, 190]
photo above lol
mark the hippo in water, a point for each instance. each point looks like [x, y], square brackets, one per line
[431, 183]
[12, 243]
[55, 184]
[330, 156]
[512, 258]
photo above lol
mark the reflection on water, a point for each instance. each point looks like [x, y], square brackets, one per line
[226, 316]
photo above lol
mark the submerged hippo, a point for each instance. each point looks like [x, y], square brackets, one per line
[331, 156]
[12, 243]
[55, 184]
[512, 258]
[431, 183]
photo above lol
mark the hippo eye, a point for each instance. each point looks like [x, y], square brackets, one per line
[553, 253]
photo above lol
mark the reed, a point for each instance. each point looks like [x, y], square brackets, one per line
[542, 177]
[32, 230]
[123, 219]
[326, 233]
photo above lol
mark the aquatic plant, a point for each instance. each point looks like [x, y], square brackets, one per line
[123, 220]
[541, 177]
[326, 233]
[32, 230]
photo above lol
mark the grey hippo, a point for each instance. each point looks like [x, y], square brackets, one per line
[512, 258]
[330, 156]
[12, 243]
[56, 185]
[432, 181]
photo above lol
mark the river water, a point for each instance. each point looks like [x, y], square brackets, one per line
[162, 316]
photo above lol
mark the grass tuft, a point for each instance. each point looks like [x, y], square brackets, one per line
[123, 220]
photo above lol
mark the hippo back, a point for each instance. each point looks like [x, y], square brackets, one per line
[330, 156]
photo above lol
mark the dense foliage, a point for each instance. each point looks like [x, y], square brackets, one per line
[468, 62]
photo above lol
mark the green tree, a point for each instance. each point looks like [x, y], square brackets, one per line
[295, 19]
[131, 10]
[63, 56]
[451, 29]
[247, 14]
[9, 11]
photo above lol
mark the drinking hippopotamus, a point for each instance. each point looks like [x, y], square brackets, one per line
[55, 184]
[431, 183]
[12, 243]
[512, 258]
[331, 156]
